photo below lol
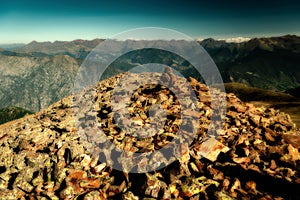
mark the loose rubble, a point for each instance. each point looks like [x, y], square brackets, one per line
[45, 156]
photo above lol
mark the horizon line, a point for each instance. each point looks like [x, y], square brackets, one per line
[237, 39]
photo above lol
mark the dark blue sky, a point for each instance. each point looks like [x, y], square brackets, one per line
[24, 21]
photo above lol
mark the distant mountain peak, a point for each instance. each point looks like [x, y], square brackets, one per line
[34, 42]
[227, 40]
[238, 39]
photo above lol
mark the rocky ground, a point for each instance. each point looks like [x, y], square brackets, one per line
[48, 156]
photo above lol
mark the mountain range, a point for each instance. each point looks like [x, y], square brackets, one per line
[37, 74]
[266, 63]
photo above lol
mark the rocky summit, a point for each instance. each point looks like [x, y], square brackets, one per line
[51, 155]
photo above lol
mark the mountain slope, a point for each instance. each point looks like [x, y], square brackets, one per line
[266, 63]
[76, 48]
[247, 93]
[35, 82]
[11, 47]
[12, 113]
[294, 91]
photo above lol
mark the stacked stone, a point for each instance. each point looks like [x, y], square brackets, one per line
[49, 155]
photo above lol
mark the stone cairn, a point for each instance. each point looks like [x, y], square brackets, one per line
[46, 156]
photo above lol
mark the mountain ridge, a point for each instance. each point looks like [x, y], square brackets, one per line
[266, 63]
[74, 48]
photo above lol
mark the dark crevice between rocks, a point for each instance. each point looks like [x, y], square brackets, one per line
[120, 175]
[44, 150]
[53, 172]
[150, 89]
[137, 183]
[12, 179]
[34, 175]
[240, 151]
[62, 186]
[2, 169]
[26, 197]
[16, 150]
[26, 192]
[26, 161]
[67, 156]
[58, 130]
[160, 194]
[103, 113]
[276, 157]
[81, 196]
[45, 175]
[109, 88]
[265, 183]
[210, 191]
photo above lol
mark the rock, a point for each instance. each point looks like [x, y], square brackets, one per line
[99, 168]
[93, 195]
[47, 156]
[293, 153]
[211, 148]
[68, 193]
[241, 160]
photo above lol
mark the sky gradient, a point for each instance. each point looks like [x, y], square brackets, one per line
[24, 21]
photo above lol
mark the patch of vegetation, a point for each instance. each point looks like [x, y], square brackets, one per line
[295, 92]
[12, 113]
[247, 93]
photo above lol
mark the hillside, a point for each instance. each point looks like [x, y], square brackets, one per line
[294, 91]
[266, 63]
[10, 47]
[12, 113]
[34, 83]
[76, 48]
[48, 155]
[247, 93]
